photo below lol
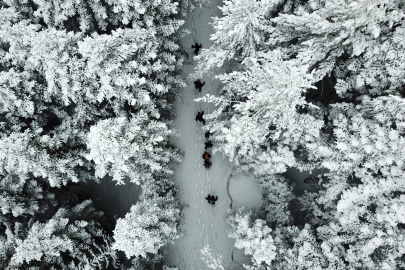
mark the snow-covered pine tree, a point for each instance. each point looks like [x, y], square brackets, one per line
[151, 261]
[277, 195]
[237, 34]
[363, 188]
[33, 135]
[252, 234]
[379, 70]
[69, 83]
[104, 15]
[262, 115]
[321, 34]
[132, 67]
[22, 199]
[211, 259]
[287, 246]
[188, 6]
[301, 249]
[71, 239]
[137, 148]
[21, 196]
[152, 222]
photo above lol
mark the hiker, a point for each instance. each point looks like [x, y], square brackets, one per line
[208, 134]
[211, 199]
[206, 156]
[198, 85]
[199, 117]
[208, 144]
[196, 47]
[207, 164]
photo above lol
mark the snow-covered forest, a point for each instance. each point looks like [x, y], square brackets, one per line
[92, 93]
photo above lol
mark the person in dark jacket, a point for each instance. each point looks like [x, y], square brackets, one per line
[208, 134]
[208, 144]
[199, 117]
[206, 156]
[207, 164]
[196, 47]
[198, 85]
[211, 199]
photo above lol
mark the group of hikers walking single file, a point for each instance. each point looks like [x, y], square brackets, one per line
[206, 156]
[199, 117]
[207, 164]
[197, 84]
[208, 144]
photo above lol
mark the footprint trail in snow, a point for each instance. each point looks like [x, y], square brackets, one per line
[205, 224]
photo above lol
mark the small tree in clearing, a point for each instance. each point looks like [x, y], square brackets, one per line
[278, 195]
[253, 235]
[151, 223]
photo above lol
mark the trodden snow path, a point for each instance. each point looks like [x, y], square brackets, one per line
[204, 223]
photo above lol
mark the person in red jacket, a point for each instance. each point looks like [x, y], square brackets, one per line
[206, 156]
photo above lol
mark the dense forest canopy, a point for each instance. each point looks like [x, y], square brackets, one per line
[274, 113]
[87, 91]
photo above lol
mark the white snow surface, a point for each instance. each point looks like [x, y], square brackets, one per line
[205, 223]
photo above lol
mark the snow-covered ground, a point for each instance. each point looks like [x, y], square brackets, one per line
[204, 223]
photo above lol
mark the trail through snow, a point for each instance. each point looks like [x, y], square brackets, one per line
[204, 223]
